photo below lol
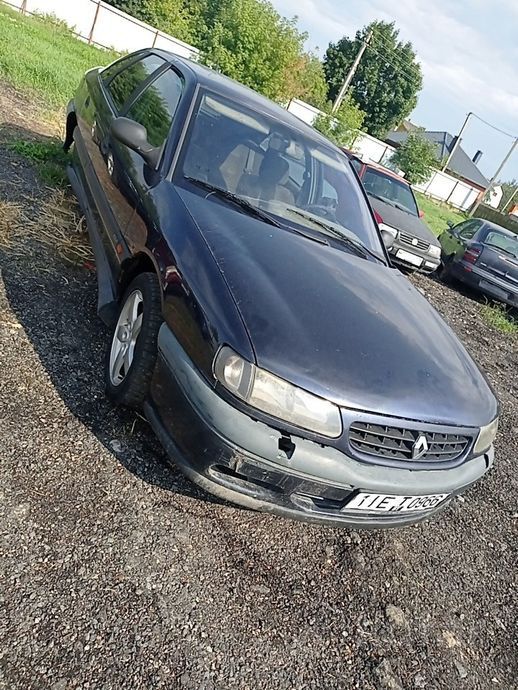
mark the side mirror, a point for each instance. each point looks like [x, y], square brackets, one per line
[450, 224]
[134, 136]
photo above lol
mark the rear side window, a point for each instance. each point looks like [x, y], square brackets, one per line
[469, 229]
[156, 106]
[124, 83]
[115, 67]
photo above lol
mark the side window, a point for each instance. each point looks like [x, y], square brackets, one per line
[108, 72]
[156, 106]
[357, 165]
[469, 229]
[123, 84]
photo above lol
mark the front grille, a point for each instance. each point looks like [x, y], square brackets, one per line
[396, 443]
[414, 242]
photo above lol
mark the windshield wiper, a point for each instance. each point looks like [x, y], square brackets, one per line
[382, 198]
[404, 208]
[344, 237]
[239, 201]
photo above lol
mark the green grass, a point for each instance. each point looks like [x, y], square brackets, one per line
[499, 318]
[437, 214]
[48, 156]
[41, 56]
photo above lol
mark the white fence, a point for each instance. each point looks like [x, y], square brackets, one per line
[103, 25]
[447, 188]
[440, 186]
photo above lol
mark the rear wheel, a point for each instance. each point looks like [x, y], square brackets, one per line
[131, 358]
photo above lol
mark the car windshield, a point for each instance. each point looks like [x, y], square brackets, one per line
[278, 169]
[389, 189]
[504, 242]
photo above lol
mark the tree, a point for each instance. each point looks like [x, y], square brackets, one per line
[249, 41]
[508, 189]
[179, 18]
[305, 79]
[387, 80]
[416, 157]
[342, 126]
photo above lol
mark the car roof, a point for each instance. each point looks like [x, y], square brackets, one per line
[499, 228]
[386, 171]
[225, 86]
[390, 173]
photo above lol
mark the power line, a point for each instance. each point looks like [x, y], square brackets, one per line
[396, 56]
[398, 68]
[511, 136]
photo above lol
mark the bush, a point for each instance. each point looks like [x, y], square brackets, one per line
[341, 127]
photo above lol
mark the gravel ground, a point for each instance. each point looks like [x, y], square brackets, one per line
[117, 573]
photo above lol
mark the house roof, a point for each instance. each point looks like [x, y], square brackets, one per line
[461, 164]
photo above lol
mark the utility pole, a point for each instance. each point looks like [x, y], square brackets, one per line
[457, 142]
[350, 75]
[493, 179]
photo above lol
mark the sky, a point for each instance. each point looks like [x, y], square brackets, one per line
[468, 50]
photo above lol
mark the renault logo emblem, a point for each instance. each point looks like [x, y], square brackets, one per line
[420, 447]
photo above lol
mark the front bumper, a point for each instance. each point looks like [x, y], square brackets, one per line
[410, 256]
[247, 462]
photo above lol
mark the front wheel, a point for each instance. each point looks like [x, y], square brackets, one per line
[444, 269]
[131, 358]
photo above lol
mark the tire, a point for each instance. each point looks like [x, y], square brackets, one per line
[445, 270]
[131, 357]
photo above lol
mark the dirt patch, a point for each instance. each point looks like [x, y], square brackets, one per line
[118, 573]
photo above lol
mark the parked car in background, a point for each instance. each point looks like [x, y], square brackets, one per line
[484, 256]
[255, 316]
[412, 244]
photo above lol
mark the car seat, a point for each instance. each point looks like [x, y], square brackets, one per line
[268, 184]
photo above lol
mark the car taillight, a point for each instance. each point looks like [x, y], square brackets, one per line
[471, 255]
[379, 219]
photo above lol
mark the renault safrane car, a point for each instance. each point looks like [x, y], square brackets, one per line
[281, 360]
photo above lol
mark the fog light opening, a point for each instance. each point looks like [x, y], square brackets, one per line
[286, 445]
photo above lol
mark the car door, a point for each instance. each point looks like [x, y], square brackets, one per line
[154, 107]
[119, 84]
[453, 240]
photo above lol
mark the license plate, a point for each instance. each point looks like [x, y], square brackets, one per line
[387, 503]
[409, 257]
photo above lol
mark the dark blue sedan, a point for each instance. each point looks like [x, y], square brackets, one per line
[281, 360]
[484, 256]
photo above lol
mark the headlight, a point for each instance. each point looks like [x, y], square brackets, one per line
[276, 397]
[434, 251]
[388, 228]
[486, 436]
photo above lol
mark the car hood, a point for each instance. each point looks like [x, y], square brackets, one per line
[345, 328]
[401, 220]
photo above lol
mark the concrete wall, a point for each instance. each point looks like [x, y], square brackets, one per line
[103, 25]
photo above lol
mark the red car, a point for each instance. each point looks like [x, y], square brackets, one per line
[414, 246]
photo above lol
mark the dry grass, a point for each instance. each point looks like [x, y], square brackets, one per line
[57, 225]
